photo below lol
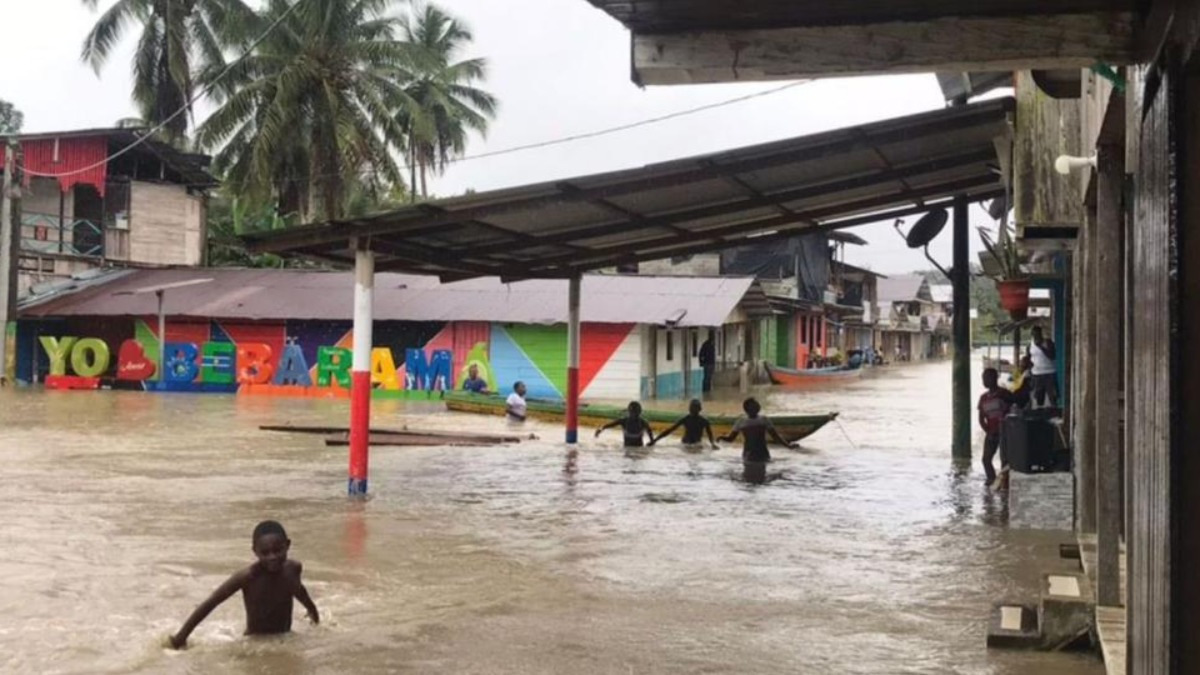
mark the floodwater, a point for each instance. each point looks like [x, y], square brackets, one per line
[122, 511]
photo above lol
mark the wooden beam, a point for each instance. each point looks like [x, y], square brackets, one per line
[1108, 310]
[946, 44]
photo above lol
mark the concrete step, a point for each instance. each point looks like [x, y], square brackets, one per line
[1014, 626]
[1066, 607]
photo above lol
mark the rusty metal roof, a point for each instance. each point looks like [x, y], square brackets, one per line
[822, 182]
[277, 295]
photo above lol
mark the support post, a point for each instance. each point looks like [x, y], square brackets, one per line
[573, 294]
[1085, 423]
[160, 295]
[360, 371]
[961, 390]
[1110, 170]
[6, 259]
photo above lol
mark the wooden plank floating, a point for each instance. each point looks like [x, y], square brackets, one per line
[445, 437]
[417, 440]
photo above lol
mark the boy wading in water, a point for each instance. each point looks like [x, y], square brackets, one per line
[993, 407]
[267, 587]
[633, 425]
[694, 426]
[755, 428]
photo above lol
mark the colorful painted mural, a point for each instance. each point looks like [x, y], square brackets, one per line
[312, 358]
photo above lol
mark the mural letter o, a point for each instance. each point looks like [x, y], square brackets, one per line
[90, 358]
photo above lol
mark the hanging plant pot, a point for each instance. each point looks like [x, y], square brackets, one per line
[1014, 297]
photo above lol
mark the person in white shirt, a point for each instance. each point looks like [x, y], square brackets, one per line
[515, 405]
[1045, 375]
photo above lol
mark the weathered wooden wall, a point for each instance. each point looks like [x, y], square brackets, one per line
[166, 225]
[1046, 128]
[1150, 521]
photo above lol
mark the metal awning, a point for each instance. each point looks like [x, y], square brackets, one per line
[821, 182]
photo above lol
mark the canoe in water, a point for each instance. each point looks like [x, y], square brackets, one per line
[791, 427]
[790, 377]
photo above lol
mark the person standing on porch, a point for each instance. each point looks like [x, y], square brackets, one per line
[1045, 372]
[708, 361]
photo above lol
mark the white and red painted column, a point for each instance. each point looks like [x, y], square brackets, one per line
[360, 371]
[573, 293]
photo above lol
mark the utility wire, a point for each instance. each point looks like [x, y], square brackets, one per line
[585, 135]
[186, 107]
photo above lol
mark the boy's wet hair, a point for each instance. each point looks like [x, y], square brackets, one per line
[265, 528]
[990, 376]
[751, 406]
[517, 385]
[695, 406]
[635, 407]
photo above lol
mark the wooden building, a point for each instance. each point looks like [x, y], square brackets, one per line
[145, 207]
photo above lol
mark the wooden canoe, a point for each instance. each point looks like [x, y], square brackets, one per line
[791, 427]
[790, 377]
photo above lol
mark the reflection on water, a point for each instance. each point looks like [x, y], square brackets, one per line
[873, 554]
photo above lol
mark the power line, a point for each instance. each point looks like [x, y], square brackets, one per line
[186, 107]
[585, 135]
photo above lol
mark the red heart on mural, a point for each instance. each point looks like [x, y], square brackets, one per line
[132, 363]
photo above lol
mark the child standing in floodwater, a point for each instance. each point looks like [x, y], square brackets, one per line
[756, 428]
[633, 425]
[694, 426]
[268, 587]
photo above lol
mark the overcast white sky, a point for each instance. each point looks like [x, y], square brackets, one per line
[559, 67]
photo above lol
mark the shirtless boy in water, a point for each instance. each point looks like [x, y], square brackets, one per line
[268, 587]
[632, 425]
[756, 428]
[694, 426]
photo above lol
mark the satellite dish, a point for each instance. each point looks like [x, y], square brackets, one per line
[998, 208]
[927, 228]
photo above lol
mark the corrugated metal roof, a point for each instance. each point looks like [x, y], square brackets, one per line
[906, 288]
[761, 193]
[273, 295]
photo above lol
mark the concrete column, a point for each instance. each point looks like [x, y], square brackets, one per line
[1106, 362]
[962, 409]
[360, 371]
[650, 361]
[573, 327]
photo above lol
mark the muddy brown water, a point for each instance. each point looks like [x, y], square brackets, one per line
[122, 511]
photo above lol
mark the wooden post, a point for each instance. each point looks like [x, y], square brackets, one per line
[1107, 360]
[1085, 435]
[961, 385]
[7, 256]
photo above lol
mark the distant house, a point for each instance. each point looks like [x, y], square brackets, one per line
[107, 197]
[908, 318]
[818, 305]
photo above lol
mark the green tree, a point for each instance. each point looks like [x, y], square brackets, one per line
[449, 105]
[311, 113]
[178, 37]
[11, 119]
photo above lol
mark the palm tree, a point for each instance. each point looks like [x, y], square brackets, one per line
[449, 106]
[177, 37]
[312, 112]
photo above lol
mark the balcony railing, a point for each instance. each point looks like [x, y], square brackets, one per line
[42, 233]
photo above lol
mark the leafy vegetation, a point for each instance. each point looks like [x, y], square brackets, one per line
[333, 106]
